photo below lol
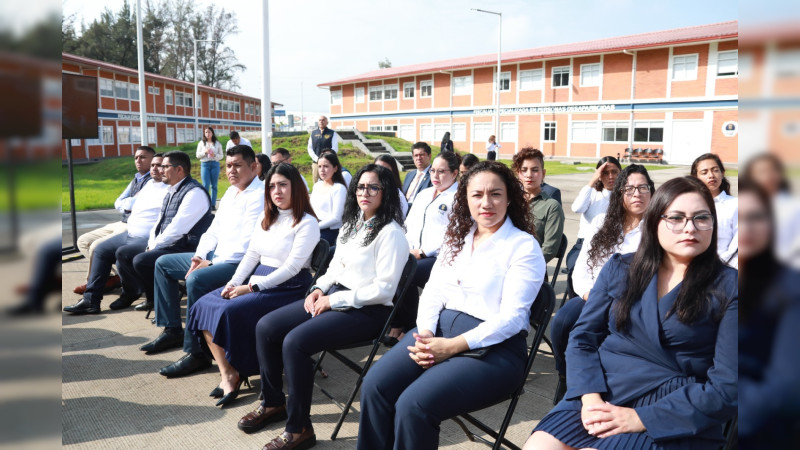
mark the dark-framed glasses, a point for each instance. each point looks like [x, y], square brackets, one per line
[642, 189]
[370, 190]
[676, 223]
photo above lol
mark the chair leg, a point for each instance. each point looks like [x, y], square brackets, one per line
[549, 344]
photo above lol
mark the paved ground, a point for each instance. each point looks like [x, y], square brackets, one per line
[113, 397]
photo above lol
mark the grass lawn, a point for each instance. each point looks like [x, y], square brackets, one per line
[35, 185]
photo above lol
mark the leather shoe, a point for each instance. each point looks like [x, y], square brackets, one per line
[124, 301]
[84, 306]
[164, 341]
[146, 306]
[259, 418]
[306, 440]
[189, 364]
[80, 289]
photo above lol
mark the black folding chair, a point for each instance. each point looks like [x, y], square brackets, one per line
[361, 370]
[731, 433]
[320, 258]
[541, 311]
[562, 251]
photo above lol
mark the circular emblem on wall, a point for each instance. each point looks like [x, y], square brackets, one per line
[730, 128]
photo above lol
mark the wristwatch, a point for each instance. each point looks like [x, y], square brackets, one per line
[255, 287]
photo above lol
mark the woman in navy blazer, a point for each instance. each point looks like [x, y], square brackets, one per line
[652, 361]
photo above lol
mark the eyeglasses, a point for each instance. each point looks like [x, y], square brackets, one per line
[701, 222]
[370, 190]
[440, 172]
[642, 189]
[164, 166]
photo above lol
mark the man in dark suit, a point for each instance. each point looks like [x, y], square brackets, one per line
[418, 179]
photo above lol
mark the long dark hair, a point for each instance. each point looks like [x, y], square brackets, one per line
[334, 160]
[213, 135]
[453, 161]
[611, 233]
[696, 294]
[598, 186]
[389, 159]
[301, 204]
[266, 164]
[724, 185]
[461, 220]
[446, 137]
[388, 211]
[776, 162]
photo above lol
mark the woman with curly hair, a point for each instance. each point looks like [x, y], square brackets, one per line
[478, 298]
[349, 304]
[617, 231]
[708, 168]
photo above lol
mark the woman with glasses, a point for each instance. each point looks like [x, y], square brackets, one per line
[426, 225]
[209, 152]
[619, 230]
[328, 196]
[652, 362]
[708, 168]
[349, 304]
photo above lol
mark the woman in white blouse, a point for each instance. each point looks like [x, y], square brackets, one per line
[708, 168]
[592, 200]
[280, 253]
[492, 147]
[617, 231]
[479, 296]
[426, 224]
[209, 152]
[349, 304]
[328, 196]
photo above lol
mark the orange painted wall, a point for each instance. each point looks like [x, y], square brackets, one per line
[697, 87]
[617, 76]
[441, 90]
[423, 102]
[651, 73]
[534, 96]
[584, 93]
[482, 85]
[726, 147]
[560, 94]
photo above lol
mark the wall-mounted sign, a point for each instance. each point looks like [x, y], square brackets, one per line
[730, 128]
[547, 109]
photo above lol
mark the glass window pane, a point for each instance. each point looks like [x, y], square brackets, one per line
[640, 134]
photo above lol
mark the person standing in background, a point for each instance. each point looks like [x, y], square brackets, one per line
[320, 139]
[209, 152]
[492, 147]
[447, 144]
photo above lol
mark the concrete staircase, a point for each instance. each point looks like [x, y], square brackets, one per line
[375, 147]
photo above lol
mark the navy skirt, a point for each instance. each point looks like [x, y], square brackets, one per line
[232, 322]
[564, 423]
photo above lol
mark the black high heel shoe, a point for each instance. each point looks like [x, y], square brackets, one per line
[228, 398]
[217, 392]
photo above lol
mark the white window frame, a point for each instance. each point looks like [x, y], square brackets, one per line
[375, 128]
[409, 90]
[390, 89]
[508, 132]
[504, 76]
[108, 131]
[725, 56]
[561, 70]
[584, 132]
[459, 132]
[378, 91]
[359, 94]
[152, 136]
[170, 135]
[426, 132]
[680, 72]
[168, 96]
[210, 103]
[406, 132]
[462, 85]
[133, 89]
[124, 135]
[336, 97]
[649, 124]
[136, 135]
[439, 129]
[106, 87]
[614, 125]
[531, 80]
[545, 127]
[120, 86]
[425, 84]
[590, 74]
[153, 90]
[481, 131]
[237, 106]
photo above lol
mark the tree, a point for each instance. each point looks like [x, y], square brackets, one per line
[154, 33]
[385, 64]
[179, 44]
[218, 65]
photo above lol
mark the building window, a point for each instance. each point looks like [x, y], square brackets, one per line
[590, 74]
[76, 142]
[390, 92]
[407, 133]
[134, 88]
[561, 76]
[375, 128]
[462, 85]
[151, 136]
[439, 130]
[360, 95]
[124, 135]
[336, 97]
[584, 131]
[408, 90]
[648, 131]
[531, 80]
[107, 135]
[168, 96]
[258, 110]
[153, 90]
[684, 67]
[237, 107]
[179, 99]
[615, 131]
[210, 103]
[426, 88]
[136, 135]
[459, 132]
[426, 132]
[106, 87]
[187, 100]
[375, 93]
[481, 131]
[508, 132]
[728, 63]
[505, 81]
[390, 128]
[170, 135]
[549, 131]
[121, 89]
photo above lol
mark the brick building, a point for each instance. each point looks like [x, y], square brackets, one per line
[170, 110]
[673, 90]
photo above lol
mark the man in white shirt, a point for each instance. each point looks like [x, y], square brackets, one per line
[236, 140]
[320, 139]
[219, 252]
[88, 242]
[419, 179]
[142, 218]
[185, 216]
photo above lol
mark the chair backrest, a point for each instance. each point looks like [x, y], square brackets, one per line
[541, 312]
[562, 250]
[320, 259]
[405, 278]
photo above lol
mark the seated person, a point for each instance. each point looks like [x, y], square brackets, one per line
[281, 155]
[328, 196]
[264, 164]
[280, 253]
[652, 361]
[548, 216]
[708, 168]
[390, 163]
[467, 162]
[345, 173]
[349, 304]
[479, 296]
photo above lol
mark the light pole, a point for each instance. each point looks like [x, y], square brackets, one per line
[196, 102]
[497, 79]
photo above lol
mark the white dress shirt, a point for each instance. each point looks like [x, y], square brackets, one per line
[242, 141]
[583, 276]
[125, 201]
[144, 214]
[428, 219]
[334, 145]
[727, 225]
[493, 147]
[328, 204]
[285, 246]
[229, 233]
[415, 188]
[347, 178]
[371, 273]
[589, 203]
[496, 282]
[203, 147]
[403, 203]
[191, 210]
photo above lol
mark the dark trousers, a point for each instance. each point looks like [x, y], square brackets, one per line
[491, 156]
[560, 327]
[402, 404]
[287, 338]
[572, 256]
[406, 316]
[105, 254]
[44, 279]
[329, 235]
[137, 267]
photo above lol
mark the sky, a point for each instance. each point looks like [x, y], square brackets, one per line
[314, 41]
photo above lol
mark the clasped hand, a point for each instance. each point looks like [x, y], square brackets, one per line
[235, 291]
[317, 303]
[429, 350]
[604, 419]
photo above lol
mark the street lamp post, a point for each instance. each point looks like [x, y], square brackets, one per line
[497, 79]
[196, 102]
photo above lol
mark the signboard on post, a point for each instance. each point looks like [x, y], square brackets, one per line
[280, 112]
